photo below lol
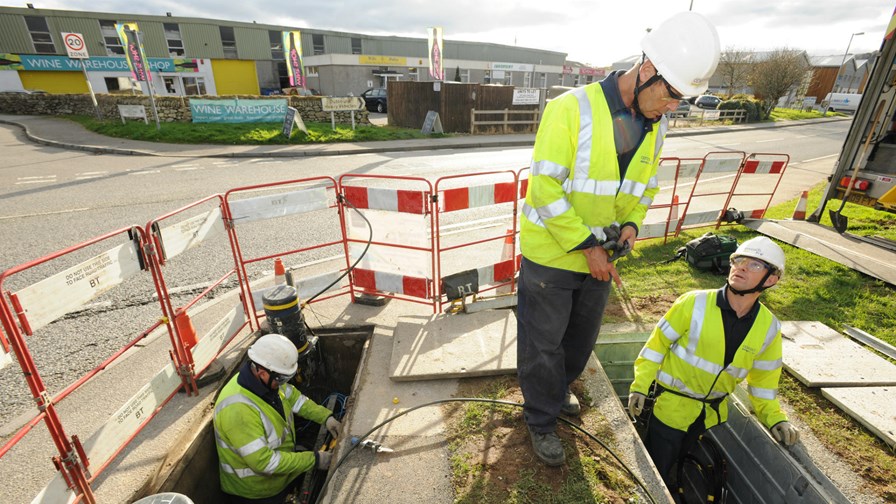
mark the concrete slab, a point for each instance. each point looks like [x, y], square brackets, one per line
[819, 356]
[826, 242]
[454, 346]
[873, 407]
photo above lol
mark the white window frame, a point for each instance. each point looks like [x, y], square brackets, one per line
[199, 85]
[178, 50]
[465, 75]
[229, 46]
[44, 44]
[110, 38]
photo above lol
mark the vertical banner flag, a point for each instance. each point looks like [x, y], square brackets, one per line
[133, 51]
[292, 48]
[435, 53]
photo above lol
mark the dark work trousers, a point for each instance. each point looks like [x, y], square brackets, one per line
[664, 446]
[558, 318]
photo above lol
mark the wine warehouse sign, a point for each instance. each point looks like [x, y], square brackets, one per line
[93, 64]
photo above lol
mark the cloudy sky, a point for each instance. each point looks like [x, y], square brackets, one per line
[592, 31]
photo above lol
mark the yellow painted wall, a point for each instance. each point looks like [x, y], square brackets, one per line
[235, 77]
[54, 82]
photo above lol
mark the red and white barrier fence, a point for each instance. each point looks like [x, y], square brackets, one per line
[405, 261]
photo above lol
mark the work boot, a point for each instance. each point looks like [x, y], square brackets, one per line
[548, 448]
[570, 405]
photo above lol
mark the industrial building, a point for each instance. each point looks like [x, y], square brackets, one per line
[193, 56]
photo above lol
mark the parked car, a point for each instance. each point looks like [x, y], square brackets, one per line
[708, 101]
[375, 99]
[683, 110]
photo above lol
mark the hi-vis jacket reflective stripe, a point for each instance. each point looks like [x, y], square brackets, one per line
[574, 185]
[686, 350]
[256, 445]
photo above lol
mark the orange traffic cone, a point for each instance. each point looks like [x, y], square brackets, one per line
[279, 272]
[799, 213]
[185, 329]
[507, 254]
[673, 214]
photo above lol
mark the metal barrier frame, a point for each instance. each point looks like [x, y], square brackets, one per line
[428, 204]
[154, 252]
[438, 234]
[72, 460]
[241, 261]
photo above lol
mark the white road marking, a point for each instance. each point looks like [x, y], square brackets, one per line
[88, 173]
[144, 172]
[40, 179]
[188, 168]
[701, 180]
[771, 140]
[72, 210]
[87, 177]
[820, 158]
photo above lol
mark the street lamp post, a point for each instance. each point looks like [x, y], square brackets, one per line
[842, 62]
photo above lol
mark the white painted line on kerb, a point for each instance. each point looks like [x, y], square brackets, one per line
[144, 172]
[87, 177]
[820, 158]
[701, 180]
[72, 210]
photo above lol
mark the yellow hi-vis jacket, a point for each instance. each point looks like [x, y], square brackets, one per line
[685, 353]
[256, 445]
[574, 184]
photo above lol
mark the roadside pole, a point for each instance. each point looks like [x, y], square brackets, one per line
[96, 107]
[152, 94]
[76, 49]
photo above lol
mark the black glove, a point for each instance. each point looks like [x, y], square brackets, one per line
[323, 460]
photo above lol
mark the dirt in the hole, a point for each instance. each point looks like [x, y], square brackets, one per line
[647, 309]
[499, 442]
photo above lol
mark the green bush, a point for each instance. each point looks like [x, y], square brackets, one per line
[752, 107]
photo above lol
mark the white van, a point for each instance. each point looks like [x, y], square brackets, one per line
[843, 102]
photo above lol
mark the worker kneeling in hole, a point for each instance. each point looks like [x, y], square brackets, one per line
[255, 429]
[706, 344]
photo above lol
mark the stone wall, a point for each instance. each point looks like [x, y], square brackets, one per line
[171, 108]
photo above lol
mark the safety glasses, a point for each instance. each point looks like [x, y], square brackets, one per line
[675, 95]
[749, 264]
[281, 378]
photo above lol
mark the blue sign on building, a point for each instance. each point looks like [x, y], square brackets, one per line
[97, 64]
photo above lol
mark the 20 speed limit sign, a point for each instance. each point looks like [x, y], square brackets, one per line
[74, 45]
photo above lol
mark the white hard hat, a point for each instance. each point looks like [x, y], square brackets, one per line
[763, 249]
[276, 353]
[685, 50]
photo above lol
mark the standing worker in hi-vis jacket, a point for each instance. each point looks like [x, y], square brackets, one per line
[592, 178]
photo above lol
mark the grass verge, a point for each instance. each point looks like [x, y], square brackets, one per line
[245, 133]
[492, 459]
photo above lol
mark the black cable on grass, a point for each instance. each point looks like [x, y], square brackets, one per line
[489, 401]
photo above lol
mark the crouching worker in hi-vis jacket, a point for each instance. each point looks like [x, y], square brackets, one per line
[707, 343]
[255, 426]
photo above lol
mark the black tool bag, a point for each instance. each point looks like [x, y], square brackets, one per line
[710, 252]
